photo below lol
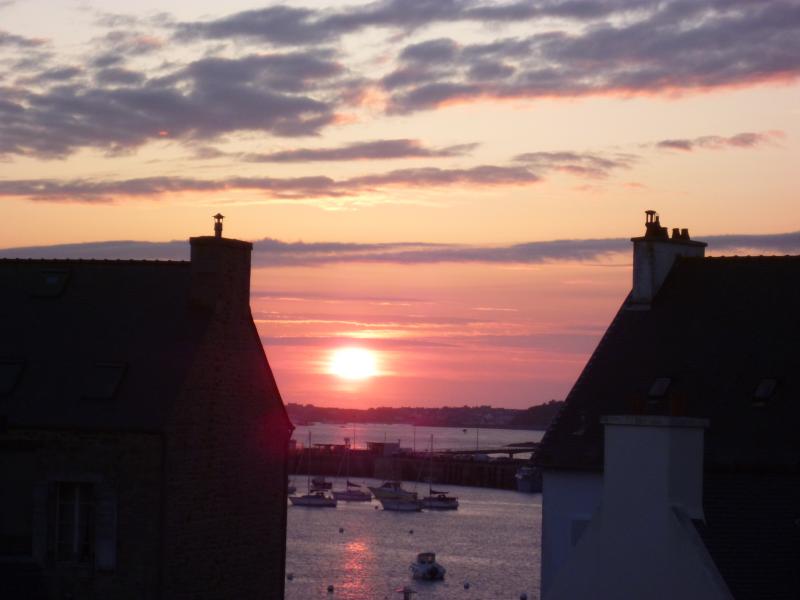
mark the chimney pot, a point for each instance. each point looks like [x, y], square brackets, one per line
[218, 225]
[654, 254]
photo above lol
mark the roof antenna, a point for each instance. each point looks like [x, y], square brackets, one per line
[218, 225]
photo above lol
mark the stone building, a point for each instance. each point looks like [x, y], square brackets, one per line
[673, 468]
[143, 439]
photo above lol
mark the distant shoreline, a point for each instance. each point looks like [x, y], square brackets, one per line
[312, 423]
[535, 418]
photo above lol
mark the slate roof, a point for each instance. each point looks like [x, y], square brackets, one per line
[68, 324]
[752, 531]
[717, 329]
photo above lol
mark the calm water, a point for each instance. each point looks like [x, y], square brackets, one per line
[451, 438]
[491, 541]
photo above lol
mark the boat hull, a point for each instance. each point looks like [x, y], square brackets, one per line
[401, 505]
[313, 501]
[440, 503]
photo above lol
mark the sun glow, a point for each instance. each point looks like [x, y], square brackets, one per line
[353, 363]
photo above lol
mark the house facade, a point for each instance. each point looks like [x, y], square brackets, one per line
[673, 467]
[143, 439]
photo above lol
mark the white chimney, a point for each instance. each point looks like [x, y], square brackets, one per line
[642, 542]
[654, 254]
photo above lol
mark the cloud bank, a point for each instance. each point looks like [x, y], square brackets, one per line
[274, 253]
[286, 71]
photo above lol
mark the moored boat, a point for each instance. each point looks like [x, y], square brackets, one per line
[352, 493]
[436, 500]
[529, 479]
[314, 497]
[317, 499]
[392, 490]
[427, 568]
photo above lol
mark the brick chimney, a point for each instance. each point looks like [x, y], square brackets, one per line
[654, 254]
[220, 270]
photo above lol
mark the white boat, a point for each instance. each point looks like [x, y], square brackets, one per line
[314, 497]
[436, 499]
[427, 568]
[352, 493]
[401, 504]
[320, 499]
[392, 490]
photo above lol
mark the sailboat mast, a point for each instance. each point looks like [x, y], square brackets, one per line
[308, 469]
[430, 470]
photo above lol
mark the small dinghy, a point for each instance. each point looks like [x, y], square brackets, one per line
[426, 567]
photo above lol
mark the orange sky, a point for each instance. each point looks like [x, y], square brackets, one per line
[466, 128]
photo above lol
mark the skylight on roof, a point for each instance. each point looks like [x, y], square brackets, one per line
[764, 391]
[103, 380]
[50, 282]
[10, 371]
[659, 387]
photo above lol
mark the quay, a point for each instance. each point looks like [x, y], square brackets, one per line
[452, 467]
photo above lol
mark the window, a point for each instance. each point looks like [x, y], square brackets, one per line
[659, 387]
[74, 522]
[50, 283]
[102, 381]
[764, 391]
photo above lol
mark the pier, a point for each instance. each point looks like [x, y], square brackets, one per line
[452, 467]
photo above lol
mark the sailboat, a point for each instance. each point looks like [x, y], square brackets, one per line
[437, 499]
[314, 498]
[352, 491]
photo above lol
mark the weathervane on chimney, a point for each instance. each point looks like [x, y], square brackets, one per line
[218, 225]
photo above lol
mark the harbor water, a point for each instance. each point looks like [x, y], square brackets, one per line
[491, 543]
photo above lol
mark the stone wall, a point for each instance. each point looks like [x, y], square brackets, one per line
[227, 467]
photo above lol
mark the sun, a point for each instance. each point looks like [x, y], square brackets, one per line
[353, 363]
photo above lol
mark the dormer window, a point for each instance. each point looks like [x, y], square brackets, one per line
[659, 388]
[764, 391]
[50, 283]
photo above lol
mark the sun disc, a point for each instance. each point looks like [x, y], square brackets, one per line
[353, 363]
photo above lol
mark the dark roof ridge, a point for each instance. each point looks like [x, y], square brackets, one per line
[742, 257]
[107, 261]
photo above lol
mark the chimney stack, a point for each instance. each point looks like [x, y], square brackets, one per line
[654, 253]
[220, 270]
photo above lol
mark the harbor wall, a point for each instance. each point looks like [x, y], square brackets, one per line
[443, 469]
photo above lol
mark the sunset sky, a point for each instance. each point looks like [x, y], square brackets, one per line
[450, 185]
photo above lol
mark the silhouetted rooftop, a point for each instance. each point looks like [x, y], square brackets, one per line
[91, 344]
[718, 329]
